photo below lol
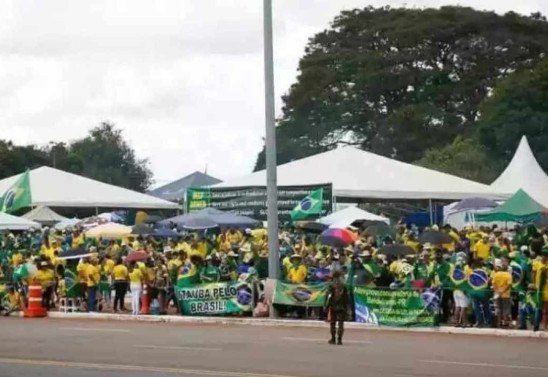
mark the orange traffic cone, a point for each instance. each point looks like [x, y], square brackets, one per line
[145, 301]
[35, 308]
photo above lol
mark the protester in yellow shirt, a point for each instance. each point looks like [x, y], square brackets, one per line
[81, 270]
[120, 277]
[482, 249]
[297, 272]
[45, 276]
[12, 302]
[136, 278]
[501, 282]
[93, 277]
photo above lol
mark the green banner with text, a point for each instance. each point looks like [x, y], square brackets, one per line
[399, 308]
[251, 200]
[215, 298]
[300, 294]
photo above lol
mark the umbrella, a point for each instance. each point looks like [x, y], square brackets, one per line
[311, 226]
[338, 237]
[435, 237]
[136, 256]
[474, 203]
[142, 230]
[109, 231]
[67, 223]
[380, 229]
[151, 219]
[200, 223]
[166, 233]
[74, 254]
[396, 250]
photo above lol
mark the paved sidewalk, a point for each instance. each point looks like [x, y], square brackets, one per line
[294, 323]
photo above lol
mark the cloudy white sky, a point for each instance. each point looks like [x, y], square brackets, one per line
[182, 78]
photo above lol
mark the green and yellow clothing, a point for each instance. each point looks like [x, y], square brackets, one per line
[120, 273]
[541, 279]
[188, 275]
[483, 250]
[93, 275]
[77, 241]
[16, 259]
[235, 237]
[81, 269]
[46, 277]
[108, 265]
[136, 276]
[297, 274]
[502, 282]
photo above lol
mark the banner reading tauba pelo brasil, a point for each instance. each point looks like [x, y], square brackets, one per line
[402, 307]
[251, 200]
[215, 298]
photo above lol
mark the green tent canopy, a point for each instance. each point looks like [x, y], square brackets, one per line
[519, 208]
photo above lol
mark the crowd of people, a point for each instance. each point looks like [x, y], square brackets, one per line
[489, 277]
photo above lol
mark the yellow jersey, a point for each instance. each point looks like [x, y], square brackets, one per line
[120, 273]
[136, 276]
[93, 275]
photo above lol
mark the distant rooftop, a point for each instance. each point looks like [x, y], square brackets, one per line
[175, 191]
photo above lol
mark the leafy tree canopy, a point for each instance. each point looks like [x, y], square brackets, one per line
[103, 155]
[402, 81]
[518, 106]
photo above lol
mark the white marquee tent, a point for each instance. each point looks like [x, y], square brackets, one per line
[355, 173]
[56, 188]
[10, 222]
[347, 216]
[44, 215]
[523, 172]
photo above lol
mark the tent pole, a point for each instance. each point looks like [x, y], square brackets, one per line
[430, 211]
[96, 211]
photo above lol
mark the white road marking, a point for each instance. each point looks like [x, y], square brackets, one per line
[176, 348]
[95, 329]
[134, 368]
[318, 340]
[507, 366]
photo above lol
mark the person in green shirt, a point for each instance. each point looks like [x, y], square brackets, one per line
[441, 270]
[210, 272]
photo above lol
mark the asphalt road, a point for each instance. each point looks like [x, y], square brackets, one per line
[59, 348]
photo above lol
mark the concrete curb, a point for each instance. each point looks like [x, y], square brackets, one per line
[294, 323]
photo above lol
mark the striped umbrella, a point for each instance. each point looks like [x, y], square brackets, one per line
[337, 237]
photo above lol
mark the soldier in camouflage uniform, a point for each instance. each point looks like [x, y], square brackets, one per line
[336, 305]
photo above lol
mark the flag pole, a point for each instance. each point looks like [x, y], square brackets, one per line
[270, 147]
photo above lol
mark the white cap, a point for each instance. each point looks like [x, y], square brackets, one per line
[524, 248]
[498, 262]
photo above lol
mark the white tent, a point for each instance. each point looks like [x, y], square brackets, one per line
[523, 172]
[355, 173]
[10, 222]
[57, 188]
[347, 216]
[44, 215]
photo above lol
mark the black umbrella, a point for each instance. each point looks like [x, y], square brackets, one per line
[142, 230]
[200, 223]
[311, 226]
[396, 250]
[381, 229]
[435, 237]
[152, 219]
[74, 253]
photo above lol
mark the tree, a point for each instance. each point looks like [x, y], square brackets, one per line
[401, 81]
[518, 106]
[14, 159]
[104, 155]
[465, 158]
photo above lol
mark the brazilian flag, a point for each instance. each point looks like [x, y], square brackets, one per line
[18, 195]
[478, 283]
[457, 277]
[310, 207]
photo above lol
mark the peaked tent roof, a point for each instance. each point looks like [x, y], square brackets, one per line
[523, 172]
[175, 191]
[44, 215]
[355, 173]
[347, 216]
[16, 223]
[519, 208]
[57, 188]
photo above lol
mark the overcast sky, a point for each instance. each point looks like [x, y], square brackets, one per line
[182, 78]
